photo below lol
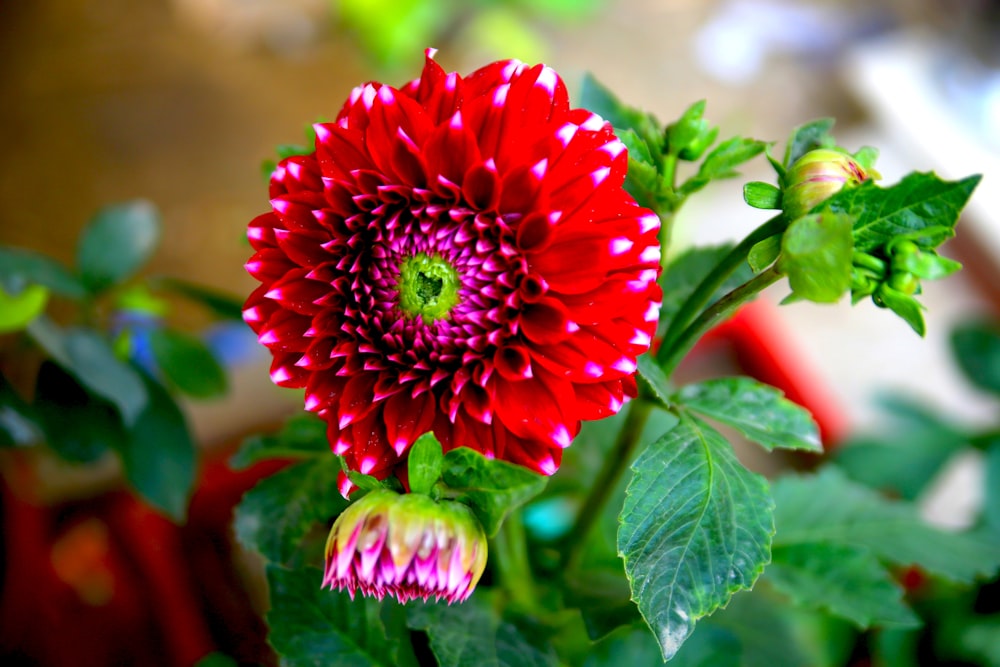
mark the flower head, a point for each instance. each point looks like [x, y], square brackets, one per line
[818, 175]
[407, 546]
[457, 256]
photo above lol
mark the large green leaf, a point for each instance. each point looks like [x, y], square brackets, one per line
[116, 243]
[848, 581]
[977, 349]
[311, 626]
[695, 528]
[188, 364]
[88, 357]
[758, 411]
[20, 268]
[78, 426]
[492, 488]
[301, 436]
[919, 201]
[829, 508]
[159, 455]
[472, 635]
[275, 516]
[816, 254]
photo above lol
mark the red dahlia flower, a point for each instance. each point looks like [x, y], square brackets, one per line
[457, 256]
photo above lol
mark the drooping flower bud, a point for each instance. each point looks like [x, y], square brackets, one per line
[818, 175]
[406, 546]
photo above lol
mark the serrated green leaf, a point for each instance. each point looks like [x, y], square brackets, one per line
[188, 364]
[758, 411]
[976, 347]
[224, 306]
[77, 426]
[763, 253]
[20, 268]
[492, 488]
[816, 255]
[89, 358]
[312, 626]
[848, 581]
[762, 195]
[804, 138]
[829, 508]
[919, 201]
[116, 243]
[274, 516]
[471, 635]
[424, 462]
[159, 455]
[695, 528]
[722, 161]
[301, 436]
[687, 270]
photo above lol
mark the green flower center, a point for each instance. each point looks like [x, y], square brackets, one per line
[428, 287]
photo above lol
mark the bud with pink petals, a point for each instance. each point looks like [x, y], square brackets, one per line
[817, 176]
[406, 546]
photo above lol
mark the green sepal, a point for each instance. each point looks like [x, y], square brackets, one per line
[424, 462]
[763, 253]
[810, 136]
[759, 194]
[903, 305]
[816, 255]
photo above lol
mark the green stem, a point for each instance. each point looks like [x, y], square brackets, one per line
[717, 312]
[601, 489]
[710, 284]
[510, 548]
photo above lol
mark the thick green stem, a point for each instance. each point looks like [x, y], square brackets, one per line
[711, 283]
[615, 463]
[720, 310]
[510, 553]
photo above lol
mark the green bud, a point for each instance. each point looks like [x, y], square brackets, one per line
[817, 176]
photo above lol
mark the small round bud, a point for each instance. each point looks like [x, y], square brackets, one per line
[818, 175]
[406, 546]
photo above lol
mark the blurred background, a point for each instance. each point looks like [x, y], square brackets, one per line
[180, 101]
